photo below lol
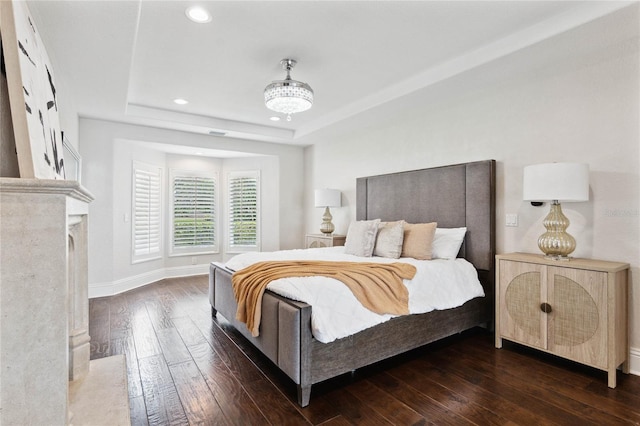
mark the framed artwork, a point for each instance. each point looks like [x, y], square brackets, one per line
[32, 94]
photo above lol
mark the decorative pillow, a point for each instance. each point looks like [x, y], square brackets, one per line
[447, 242]
[361, 237]
[389, 241]
[418, 238]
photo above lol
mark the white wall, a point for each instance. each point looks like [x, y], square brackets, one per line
[571, 98]
[108, 149]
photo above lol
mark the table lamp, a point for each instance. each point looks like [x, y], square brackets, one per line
[327, 198]
[556, 182]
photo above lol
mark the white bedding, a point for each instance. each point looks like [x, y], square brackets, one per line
[438, 284]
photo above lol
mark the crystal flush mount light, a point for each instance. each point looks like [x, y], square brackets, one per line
[288, 96]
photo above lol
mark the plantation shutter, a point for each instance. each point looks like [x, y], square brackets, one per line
[146, 212]
[243, 208]
[193, 213]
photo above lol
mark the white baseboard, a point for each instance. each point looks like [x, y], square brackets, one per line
[119, 286]
[634, 361]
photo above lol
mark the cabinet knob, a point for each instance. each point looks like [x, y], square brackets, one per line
[546, 308]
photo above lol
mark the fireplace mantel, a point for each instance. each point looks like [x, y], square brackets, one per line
[44, 337]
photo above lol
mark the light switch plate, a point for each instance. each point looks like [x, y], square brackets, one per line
[512, 220]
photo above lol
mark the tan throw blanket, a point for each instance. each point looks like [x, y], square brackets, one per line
[378, 286]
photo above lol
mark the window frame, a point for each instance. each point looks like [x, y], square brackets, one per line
[231, 177]
[195, 250]
[139, 167]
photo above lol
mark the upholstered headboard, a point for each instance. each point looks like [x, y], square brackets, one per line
[454, 196]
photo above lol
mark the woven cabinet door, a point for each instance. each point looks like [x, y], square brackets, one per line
[522, 290]
[317, 244]
[314, 241]
[577, 324]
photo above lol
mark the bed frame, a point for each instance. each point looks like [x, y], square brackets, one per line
[454, 196]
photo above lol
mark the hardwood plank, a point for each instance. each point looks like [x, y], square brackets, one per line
[484, 397]
[547, 381]
[160, 319]
[385, 403]
[197, 400]
[337, 421]
[99, 327]
[189, 332]
[173, 348]
[449, 399]
[119, 317]
[126, 347]
[138, 411]
[234, 400]
[144, 334]
[192, 286]
[275, 406]
[190, 300]
[160, 394]
[355, 410]
[509, 388]
[423, 404]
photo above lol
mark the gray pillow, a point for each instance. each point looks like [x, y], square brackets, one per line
[361, 237]
[389, 240]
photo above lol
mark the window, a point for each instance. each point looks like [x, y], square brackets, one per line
[146, 239]
[243, 211]
[193, 211]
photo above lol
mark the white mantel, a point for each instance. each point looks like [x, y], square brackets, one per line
[44, 337]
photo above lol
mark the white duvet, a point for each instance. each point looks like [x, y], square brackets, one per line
[438, 284]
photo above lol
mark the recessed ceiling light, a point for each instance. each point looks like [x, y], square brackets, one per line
[181, 101]
[198, 14]
[274, 118]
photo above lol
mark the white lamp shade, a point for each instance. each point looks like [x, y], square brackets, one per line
[556, 181]
[327, 198]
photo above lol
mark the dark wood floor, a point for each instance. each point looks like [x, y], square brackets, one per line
[185, 368]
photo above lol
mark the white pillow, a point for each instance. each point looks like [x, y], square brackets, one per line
[361, 237]
[447, 242]
[389, 240]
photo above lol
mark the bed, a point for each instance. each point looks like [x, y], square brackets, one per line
[460, 195]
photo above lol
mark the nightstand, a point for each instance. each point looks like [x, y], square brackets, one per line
[324, 240]
[575, 309]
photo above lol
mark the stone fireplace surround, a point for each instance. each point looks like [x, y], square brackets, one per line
[44, 316]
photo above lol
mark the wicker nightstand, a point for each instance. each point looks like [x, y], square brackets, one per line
[575, 309]
[324, 240]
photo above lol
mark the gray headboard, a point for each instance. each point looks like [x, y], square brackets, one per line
[454, 196]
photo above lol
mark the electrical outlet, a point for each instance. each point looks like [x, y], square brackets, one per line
[512, 220]
[194, 260]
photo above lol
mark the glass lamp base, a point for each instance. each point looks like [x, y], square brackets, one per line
[327, 227]
[556, 243]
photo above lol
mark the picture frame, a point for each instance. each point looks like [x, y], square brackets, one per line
[32, 95]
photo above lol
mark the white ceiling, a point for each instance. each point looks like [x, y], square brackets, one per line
[127, 60]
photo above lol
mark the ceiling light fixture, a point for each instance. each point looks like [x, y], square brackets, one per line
[274, 118]
[288, 96]
[198, 14]
[180, 101]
